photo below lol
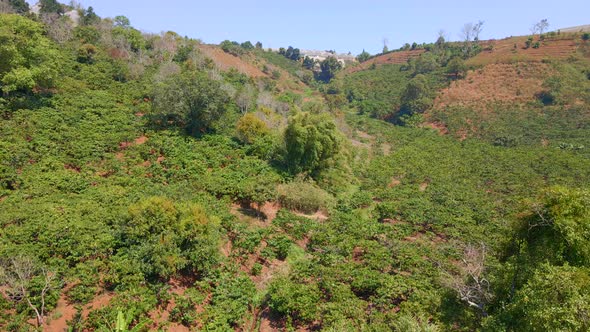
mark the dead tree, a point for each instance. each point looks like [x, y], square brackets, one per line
[245, 98]
[540, 27]
[16, 276]
[470, 35]
[470, 283]
[5, 7]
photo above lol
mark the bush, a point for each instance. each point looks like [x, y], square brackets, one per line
[417, 97]
[280, 246]
[86, 53]
[456, 67]
[546, 97]
[232, 48]
[303, 196]
[293, 299]
[256, 269]
[165, 238]
[249, 128]
[276, 74]
[295, 226]
[528, 42]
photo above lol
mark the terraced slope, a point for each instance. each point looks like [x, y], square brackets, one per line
[495, 83]
[397, 58]
[513, 49]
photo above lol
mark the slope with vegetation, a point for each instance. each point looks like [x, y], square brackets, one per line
[150, 182]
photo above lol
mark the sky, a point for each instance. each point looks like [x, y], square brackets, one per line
[344, 26]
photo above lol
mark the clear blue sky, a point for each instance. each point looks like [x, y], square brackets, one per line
[340, 25]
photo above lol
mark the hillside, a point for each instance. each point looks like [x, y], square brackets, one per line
[150, 182]
[579, 28]
[512, 84]
[514, 49]
[225, 61]
[396, 58]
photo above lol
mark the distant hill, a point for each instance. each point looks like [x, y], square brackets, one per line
[579, 28]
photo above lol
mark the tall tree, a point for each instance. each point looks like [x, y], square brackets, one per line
[19, 6]
[247, 45]
[440, 40]
[540, 26]
[309, 63]
[471, 283]
[364, 56]
[470, 35]
[245, 98]
[311, 140]
[51, 6]
[122, 21]
[456, 67]
[89, 17]
[329, 67]
[27, 58]
[417, 96]
[191, 100]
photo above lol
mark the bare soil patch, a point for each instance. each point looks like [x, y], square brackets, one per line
[225, 61]
[504, 50]
[495, 83]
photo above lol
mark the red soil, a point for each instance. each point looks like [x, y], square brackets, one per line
[67, 311]
[225, 61]
[270, 210]
[505, 83]
[394, 182]
[504, 50]
[440, 127]
[98, 302]
[138, 141]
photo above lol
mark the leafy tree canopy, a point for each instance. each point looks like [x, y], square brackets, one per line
[191, 100]
[27, 58]
[417, 96]
[364, 56]
[19, 6]
[311, 139]
[51, 7]
[329, 67]
[557, 298]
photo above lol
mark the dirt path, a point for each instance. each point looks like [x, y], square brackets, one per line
[65, 310]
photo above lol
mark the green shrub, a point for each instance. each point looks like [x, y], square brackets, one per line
[250, 128]
[87, 53]
[280, 245]
[256, 269]
[295, 226]
[528, 42]
[303, 196]
[295, 300]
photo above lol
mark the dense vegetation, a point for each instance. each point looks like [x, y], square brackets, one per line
[143, 188]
